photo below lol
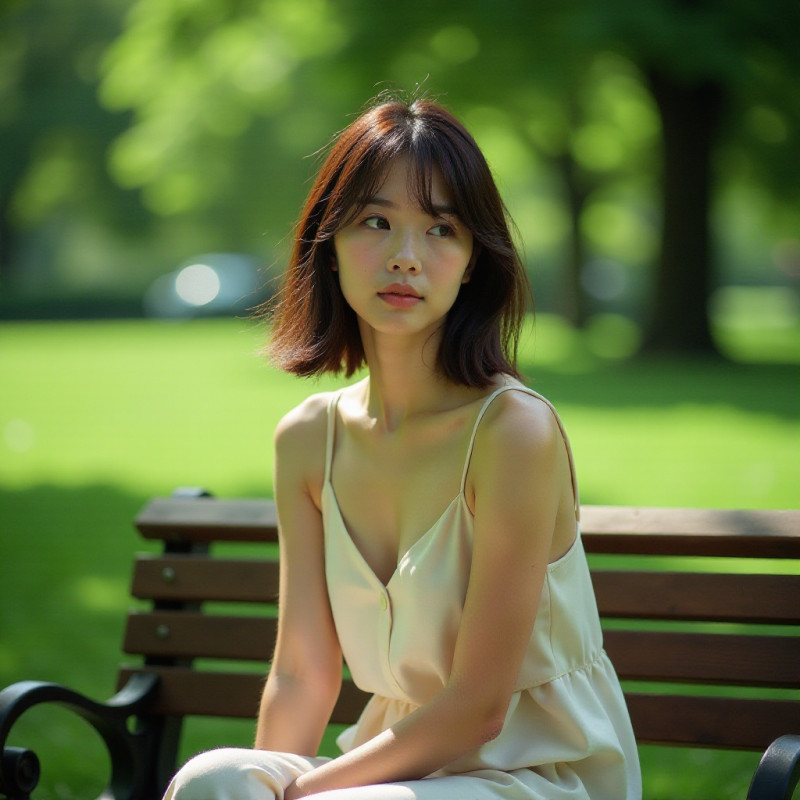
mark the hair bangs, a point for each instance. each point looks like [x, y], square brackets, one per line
[380, 146]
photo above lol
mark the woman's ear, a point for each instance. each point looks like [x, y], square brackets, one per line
[476, 251]
[334, 262]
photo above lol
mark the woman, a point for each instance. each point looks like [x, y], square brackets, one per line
[428, 514]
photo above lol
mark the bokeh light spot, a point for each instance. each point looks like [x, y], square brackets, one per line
[19, 436]
[197, 284]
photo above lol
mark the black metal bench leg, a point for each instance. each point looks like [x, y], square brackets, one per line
[778, 771]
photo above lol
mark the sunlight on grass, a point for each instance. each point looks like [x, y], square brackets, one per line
[147, 405]
[671, 773]
[138, 403]
[733, 458]
[99, 594]
[699, 433]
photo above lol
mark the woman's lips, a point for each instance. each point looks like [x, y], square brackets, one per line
[400, 296]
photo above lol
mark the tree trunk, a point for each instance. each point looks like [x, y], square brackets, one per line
[573, 302]
[679, 320]
[6, 248]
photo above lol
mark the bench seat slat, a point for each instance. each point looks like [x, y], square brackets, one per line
[738, 723]
[184, 634]
[767, 661]
[771, 599]
[185, 691]
[197, 578]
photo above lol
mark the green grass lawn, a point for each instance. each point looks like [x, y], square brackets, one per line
[97, 417]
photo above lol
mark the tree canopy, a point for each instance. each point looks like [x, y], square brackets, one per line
[629, 139]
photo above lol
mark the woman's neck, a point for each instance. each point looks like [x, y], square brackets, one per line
[404, 381]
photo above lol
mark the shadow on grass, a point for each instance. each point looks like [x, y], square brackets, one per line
[66, 558]
[771, 389]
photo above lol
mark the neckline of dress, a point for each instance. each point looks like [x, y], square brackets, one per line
[407, 553]
[459, 498]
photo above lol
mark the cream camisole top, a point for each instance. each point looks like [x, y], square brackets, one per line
[398, 640]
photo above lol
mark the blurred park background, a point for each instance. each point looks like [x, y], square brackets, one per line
[153, 156]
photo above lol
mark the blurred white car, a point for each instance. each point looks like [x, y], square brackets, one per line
[213, 284]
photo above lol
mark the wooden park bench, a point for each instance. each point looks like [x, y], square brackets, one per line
[709, 657]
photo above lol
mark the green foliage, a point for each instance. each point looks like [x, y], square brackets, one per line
[51, 123]
[558, 98]
[199, 75]
[63, 221]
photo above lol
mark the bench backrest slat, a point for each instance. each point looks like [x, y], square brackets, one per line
[192, 578]
[715, 659]
[208, 520]
[606, 529]
[764, 599]
[185, 692]
[637, 655]
[722, 721]
[183, 634]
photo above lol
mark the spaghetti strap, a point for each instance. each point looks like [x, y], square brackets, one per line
[561, 428]
[331, 433]
[486, 404]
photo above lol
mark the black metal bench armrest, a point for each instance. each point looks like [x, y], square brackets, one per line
[778, 771]
[131, 751]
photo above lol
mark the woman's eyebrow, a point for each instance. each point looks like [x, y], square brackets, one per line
[441, 209]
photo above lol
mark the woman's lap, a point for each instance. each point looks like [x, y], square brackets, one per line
[240, 774]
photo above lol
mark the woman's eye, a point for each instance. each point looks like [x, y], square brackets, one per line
[377, 223]
[442, 230]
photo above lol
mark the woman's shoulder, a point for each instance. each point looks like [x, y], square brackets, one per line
[304, 427]
[520, 467]
[518, 422]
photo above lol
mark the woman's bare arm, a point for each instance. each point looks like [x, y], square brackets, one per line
[306, 670]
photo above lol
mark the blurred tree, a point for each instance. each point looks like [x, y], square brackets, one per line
[212, 105]
[224, 84]
[230, 97]
[719, 74]
[224, 110]
[710, 65]
[53, 130]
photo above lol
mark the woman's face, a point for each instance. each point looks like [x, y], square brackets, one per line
[400, 269]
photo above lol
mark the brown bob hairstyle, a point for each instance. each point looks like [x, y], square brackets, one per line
[315, 331]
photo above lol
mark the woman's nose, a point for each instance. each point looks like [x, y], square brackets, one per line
[404, 256]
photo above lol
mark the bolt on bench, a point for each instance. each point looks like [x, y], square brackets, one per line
[701, 652]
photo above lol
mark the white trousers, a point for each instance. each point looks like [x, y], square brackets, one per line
[240, 774]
